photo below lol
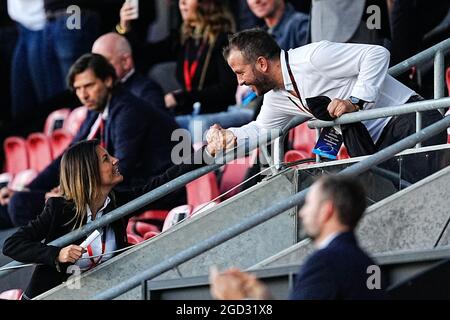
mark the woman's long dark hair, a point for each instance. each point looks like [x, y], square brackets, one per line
[213, 17]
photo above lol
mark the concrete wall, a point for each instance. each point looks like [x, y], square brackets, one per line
[272, 237]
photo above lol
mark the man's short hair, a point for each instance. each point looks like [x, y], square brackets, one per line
[253, 43]
[347, 195]
[97, 63]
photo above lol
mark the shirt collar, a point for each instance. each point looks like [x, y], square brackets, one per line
[325, 242]
[127, 76]
[105, 112]
[288, 86]
[99, 212]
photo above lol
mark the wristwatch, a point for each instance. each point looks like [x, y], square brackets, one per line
[357, 102]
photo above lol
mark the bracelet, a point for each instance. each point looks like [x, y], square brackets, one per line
[120, 30]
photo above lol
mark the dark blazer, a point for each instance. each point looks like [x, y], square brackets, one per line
[220, 83]
[338, 271]
[55, 221]
[146, 89]
[135, 133]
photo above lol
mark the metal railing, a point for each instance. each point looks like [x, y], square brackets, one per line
[163, 190]
[276, 209]
[382, 112]
[437, 52]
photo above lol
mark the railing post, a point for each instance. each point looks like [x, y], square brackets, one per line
[278, 151]
[439, 76]
[418, 126]
[317, 139]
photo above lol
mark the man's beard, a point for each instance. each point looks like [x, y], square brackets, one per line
[101, 103]
[262, 83]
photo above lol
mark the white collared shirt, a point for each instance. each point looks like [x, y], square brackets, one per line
[95, 127]
[335, 70]
[29, 13]
[96, 246]
[325, 242]
[127, 76]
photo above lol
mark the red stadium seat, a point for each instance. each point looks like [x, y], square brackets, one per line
[55, 120]
[141, 228]
[233, 174]
[16, 155]
[39, 151]
[60, 140]
[343, 154]
[202, 189]
[22, 179]
[151, 234]
[75, 120]
[151, 215]
[304, 138]
[295, 155]
[13, 294]
[134, 238]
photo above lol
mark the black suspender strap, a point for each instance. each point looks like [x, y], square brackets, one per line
[294, 83]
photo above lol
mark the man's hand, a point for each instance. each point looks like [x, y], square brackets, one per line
[55, 192]
[70, 254]
[338, 107]
[5, 195]
[219, 139]
[234, 284]
[170, 100]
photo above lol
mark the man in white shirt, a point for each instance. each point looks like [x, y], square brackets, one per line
[353, 76]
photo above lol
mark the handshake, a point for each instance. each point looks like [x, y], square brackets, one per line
[219, 139]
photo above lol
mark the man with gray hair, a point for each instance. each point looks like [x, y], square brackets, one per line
[117, 50]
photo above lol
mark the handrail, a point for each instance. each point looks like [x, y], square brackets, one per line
[163, 190]
[436, 51]
[382, 112]
[279, 207]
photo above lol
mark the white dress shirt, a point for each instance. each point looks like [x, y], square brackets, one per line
[96, 246]
[29, 13]
[335, 70]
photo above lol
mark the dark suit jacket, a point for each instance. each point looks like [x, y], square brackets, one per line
[55, 221]
[135, 133]
[146, 89]
[220, 82]
[338, 271]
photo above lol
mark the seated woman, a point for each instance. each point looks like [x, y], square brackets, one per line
[208, 84]
[88, 175]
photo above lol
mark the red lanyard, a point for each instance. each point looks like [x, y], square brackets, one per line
[102, 133]
[189, 70]
[90, 252]
[294, 83]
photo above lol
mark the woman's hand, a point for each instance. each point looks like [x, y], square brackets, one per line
[70, 254]
[127, 13]
[5, 195]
